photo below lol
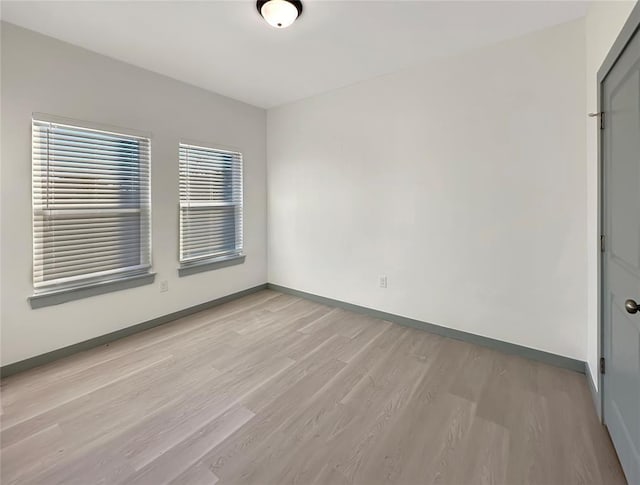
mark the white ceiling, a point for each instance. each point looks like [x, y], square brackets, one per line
[226, 47]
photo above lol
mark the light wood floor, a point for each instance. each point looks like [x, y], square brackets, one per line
[273, 389]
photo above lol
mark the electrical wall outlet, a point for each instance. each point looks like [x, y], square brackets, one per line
[164, 286]
[383, 281]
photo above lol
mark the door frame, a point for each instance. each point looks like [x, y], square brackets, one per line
[629, 29]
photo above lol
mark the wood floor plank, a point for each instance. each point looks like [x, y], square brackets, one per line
[434, 445]
[308, 440]
[19, 427]
[266, 395]
[197, 475]
[484, 455]
[18, 458]
[186, 453]
[276, 389]
[196, 409]
[228, 459]
[38, 403]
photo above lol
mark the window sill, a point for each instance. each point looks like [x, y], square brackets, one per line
[210, 265]
[57, 297]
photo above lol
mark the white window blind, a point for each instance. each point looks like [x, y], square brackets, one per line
[91, 206]
[210, 204]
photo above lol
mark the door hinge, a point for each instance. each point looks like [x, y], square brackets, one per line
[600, 116]
[602, 243]
[602, 366]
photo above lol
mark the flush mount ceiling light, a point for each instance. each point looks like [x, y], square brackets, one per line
[279, 13]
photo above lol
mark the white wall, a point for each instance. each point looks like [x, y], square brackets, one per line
[603, 24]
[463, 181]
[40, 74]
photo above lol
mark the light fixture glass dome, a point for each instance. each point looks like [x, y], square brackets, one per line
[279, 13]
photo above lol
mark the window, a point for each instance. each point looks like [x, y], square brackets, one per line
[210, 205]
[91, 206]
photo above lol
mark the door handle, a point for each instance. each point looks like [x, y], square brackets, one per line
[631, 306]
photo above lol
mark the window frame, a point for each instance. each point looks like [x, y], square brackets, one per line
[222, 260]
[80, 286]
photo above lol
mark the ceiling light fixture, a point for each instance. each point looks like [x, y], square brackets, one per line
[279, 13]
